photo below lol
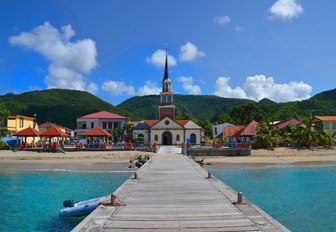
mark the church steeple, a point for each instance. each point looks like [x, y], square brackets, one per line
[166, 109]
[166, 71]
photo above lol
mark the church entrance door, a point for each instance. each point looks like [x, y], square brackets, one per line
[167, 138]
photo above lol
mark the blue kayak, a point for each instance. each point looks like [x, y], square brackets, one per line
[81, 208]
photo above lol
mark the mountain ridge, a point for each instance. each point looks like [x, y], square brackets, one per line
[64, 106]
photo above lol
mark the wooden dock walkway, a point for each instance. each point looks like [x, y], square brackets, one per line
[172, 193]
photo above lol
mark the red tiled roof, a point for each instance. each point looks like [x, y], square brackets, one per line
[97, 131]
[326, 118]
[151, 123]
[27, 132]
[105, 115]
[54, 131]
[231, 130]
[283, 123]
[182, 122]
[248, 130]
[20, 116]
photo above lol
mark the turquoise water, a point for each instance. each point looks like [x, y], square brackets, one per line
[30, 201]
[301, 198]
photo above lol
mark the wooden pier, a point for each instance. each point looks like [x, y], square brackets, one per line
[173, 193]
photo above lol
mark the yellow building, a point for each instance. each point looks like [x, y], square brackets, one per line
[13, 124]
[329, 122]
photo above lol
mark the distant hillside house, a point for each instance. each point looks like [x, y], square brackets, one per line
[283, 123]
[167, 130]
[329, 122]
[105, 120]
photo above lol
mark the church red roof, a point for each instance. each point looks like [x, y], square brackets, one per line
[182, 122]
[103, 114]
[151, 123]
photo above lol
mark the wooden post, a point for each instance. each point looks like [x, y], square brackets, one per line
[209, 175]
[113, 199]
[240, 197]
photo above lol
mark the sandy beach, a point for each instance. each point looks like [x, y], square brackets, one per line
[70, 161]
[119, 160]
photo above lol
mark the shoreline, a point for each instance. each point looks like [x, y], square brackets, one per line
[119, 160]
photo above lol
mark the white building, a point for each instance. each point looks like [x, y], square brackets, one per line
[103, 119]
[167, 130]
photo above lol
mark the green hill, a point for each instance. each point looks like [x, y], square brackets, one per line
[64, 106]
[198, 106]
[57, 105]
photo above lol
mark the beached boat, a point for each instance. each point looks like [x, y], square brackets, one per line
[81, 208]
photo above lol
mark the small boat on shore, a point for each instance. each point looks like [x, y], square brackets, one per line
[81, 208]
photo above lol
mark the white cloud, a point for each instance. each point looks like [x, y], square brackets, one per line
[73, 59]
[190, 52]
[286, 9]
[224, 90]
[222, 20]
[117, 88]
[158, 59]
[187, 84]
[149, 88]
[259, 87]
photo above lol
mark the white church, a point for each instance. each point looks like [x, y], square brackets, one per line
[167, 130]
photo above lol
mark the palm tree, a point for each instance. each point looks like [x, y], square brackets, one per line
[117, 132]
[127, 130]
[266, 135]
[306, 134]
[327, 139]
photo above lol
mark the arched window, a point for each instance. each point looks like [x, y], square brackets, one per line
[156, 138]
[177, 137]
[141, 136]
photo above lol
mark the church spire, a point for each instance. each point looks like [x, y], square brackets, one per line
[166, 72]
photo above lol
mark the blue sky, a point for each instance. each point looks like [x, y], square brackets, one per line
[284, 50]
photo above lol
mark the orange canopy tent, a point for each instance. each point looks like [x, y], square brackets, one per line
[54, 131]
[27, 132]
[97, 132]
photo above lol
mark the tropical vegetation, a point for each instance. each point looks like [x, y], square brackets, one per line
[307, 135]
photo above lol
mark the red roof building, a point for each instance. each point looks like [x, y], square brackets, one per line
[283, 123]
[103, 119]
[103, 115]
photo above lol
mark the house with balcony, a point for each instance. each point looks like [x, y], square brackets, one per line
[329, 122]
[103, 119]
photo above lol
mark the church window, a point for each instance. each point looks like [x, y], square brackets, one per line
[156, 138]
[177, 137]
[166, 110]
[164, 98]
[167, 122]
[169, 99]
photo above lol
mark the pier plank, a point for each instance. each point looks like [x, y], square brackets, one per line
[173, 194]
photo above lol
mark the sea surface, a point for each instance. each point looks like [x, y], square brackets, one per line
[301, 198]
[30, 200]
